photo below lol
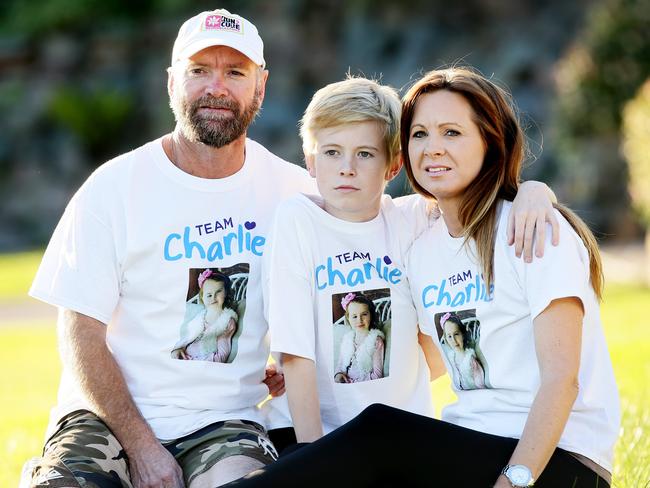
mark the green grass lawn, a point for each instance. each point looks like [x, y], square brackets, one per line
[31, 368]
[17, 272]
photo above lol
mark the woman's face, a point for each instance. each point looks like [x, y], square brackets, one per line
[214, 293]
[445, 146]
[359, 315]
[453, 336]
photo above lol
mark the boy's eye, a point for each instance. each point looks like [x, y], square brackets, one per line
[331, 152]
[418, 134]
[452, 133]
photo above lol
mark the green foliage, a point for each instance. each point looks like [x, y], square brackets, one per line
[35, 18]
[97, 117]
[636, 146]
[605, 68]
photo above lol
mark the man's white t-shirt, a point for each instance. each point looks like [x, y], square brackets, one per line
[128, 252]
[315, 260]
[445, 279]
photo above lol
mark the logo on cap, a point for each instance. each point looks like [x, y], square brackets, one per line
[221, 22]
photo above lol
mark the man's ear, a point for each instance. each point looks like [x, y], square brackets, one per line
[170, 82]
[310, 162]
[262, 84]
[394, 168]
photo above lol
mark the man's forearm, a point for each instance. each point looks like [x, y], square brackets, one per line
[83, 349]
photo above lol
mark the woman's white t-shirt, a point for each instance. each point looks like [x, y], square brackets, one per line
[444, 278]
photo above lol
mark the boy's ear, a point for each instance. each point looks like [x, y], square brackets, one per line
[310, 163]
[394, 168]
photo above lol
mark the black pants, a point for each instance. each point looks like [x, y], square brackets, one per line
[387, 447]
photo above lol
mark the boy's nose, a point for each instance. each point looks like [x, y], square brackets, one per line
[347, 168]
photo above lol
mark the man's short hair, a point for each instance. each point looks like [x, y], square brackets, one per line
[353, 100]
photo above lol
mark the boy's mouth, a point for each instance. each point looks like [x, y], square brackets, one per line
[346, 188]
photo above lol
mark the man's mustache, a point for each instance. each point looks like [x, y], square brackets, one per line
[208, 101]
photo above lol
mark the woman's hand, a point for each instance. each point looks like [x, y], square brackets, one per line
[531, 209]
[502, 482]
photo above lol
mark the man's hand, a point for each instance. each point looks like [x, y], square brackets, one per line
[274, 380]
[152, 466]
[84, 351]
[531, 210]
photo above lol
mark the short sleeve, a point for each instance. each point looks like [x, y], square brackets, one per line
[79, 269]
[562, 272]
[288, 286]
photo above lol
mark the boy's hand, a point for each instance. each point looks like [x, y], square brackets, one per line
[531, 210]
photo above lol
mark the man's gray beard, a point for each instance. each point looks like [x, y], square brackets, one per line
[216, 131]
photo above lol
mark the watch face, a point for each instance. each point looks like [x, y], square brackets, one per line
[519, 475]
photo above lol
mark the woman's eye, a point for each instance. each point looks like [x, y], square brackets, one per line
[418, 134]
[365, 154]
[452, 133]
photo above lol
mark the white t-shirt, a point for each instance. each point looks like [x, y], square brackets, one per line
[499, 391]
[129, 252]
[313, 262]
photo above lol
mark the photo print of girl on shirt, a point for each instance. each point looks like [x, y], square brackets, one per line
[214, 311]
[361, 335]
[459, 334]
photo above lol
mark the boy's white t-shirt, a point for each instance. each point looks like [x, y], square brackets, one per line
[128, 251]
[313, 261]
[444, 277]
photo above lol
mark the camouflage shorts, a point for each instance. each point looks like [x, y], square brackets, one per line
[84, 452]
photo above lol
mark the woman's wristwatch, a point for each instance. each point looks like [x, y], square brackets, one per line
[518, 475]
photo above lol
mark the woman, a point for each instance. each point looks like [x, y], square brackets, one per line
[551, 383]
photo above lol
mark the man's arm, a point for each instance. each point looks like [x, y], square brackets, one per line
[82, 342]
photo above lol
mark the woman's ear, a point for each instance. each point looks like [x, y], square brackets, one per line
[394, 168]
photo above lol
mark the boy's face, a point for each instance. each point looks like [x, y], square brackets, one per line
[351, 169]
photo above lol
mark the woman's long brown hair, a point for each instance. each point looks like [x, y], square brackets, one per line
[499, 175]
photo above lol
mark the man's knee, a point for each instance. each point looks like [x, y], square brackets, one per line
[84, 450]
[225, 471]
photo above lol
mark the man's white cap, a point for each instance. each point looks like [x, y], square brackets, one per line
[218, 28]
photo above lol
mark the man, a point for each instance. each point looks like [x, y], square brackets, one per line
[127, 267]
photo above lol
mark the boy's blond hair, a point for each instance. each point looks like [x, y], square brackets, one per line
[350, 101]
